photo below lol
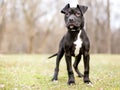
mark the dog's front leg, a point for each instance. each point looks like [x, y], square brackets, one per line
[86, 57]
[71, 79]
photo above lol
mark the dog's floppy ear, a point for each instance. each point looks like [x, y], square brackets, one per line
[64, 10]
[82, 8]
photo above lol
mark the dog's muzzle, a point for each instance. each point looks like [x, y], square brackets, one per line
[72, 23]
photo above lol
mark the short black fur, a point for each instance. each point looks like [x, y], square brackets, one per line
[74, 20]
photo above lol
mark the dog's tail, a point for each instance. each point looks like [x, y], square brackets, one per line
[52, 55]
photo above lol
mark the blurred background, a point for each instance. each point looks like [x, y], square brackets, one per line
[36, 26]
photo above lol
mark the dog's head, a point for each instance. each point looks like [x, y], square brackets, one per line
[74, 16]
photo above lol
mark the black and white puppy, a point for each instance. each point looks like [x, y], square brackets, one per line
[74, 43]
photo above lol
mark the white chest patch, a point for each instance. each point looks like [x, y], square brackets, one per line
[78, 44]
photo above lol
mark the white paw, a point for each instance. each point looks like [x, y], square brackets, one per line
[90, 84]
[72, 84]
[55, 81]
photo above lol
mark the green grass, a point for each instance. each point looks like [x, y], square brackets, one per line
[34, 72]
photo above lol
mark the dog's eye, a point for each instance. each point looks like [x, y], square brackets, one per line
[67, 14]
[77, 14]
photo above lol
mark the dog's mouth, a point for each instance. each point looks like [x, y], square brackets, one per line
[72, 25]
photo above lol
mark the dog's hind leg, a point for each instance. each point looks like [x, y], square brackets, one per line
[75, 65]
[59, 56]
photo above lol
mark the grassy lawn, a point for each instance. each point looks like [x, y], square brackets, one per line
[34, 72]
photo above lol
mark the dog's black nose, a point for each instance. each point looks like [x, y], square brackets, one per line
[71, 19]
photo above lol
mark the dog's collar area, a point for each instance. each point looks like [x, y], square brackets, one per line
[74, 30]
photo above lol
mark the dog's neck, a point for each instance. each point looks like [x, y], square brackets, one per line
[73, 33]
